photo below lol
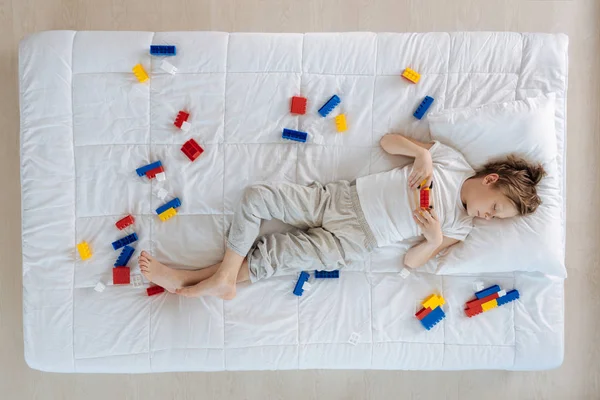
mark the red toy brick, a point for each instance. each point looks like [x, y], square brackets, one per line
[121, 276]
[423, 312]
[152, 290]
[152, 173]
[424, 199]
[298, 105]
[471, 312]
[478, 302]
[125, 222]
[192, 149]
[182, 117]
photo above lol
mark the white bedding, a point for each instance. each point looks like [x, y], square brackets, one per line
[87, 124]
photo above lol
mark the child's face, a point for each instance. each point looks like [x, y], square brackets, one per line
[487, 202]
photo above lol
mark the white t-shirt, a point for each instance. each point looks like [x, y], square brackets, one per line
[386, 199]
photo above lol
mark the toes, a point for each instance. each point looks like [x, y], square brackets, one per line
[146, 255]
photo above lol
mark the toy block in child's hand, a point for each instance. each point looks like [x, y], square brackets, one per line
[298, 105]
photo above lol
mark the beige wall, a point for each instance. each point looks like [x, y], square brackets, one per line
[578, 378]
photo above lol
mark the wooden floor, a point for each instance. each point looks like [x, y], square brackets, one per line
[578, 378]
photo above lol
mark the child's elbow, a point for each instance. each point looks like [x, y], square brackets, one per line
[384, 142]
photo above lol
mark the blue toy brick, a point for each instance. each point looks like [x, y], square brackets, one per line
[303, 278]
[125, 256]
[142, 170]
[297, 136]
[125, 241]
[171, 204]
[327, 274]
[435, 316]
[510, 296]
[423, 107]
[163, 50]
[486, 292]
[330, 105]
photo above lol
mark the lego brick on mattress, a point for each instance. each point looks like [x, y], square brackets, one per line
[87, 124]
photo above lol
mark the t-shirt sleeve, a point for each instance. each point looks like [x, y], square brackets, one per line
[459, 230]
[442, 154]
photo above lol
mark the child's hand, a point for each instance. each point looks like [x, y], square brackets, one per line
[430, 226]
[422, 170]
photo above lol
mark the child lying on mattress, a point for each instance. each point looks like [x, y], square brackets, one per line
[342, 222]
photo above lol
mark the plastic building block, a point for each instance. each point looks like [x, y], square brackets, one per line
[340, 123]
[489, 305]
[486, 292]
[125, 222]
[125, 256]
[161, 177]
[152, 173]
[121, 276]
[170, 204]
[297, 136]
[186, 126]
[478, 286]
[182, 116]
[163, 50]
[510, 296]
[306, 286]
[161, 193]
[329, 106]
[354, 337]
[167, 214]
[299, 289]
[136, 281]
[471, 312]
[433, 318]
[140, 73]
[433, 301]
[424, 198]
[411, 75]
[327, 274]
[404, 273]
[152, 290]
[124, 241]
[99, 287]
[298, 105]
[477, 302]
[192, 149]
[84, 250]
[142, 170]
[422, 313]
[500, 293]
[423, 107]
[168, 67]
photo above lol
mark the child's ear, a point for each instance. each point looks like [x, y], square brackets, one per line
[491, 178]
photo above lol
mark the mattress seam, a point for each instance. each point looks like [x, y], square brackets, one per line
[308, 73]
[150, 148]
[75, 198]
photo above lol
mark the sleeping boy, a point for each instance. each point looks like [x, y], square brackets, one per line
[342, 222]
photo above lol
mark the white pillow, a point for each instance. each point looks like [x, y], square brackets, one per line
[531, 243]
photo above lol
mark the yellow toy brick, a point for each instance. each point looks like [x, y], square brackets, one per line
[411, 75]
[84, 250]
[489, 305]
[433, 301]
[168, 214]
[340, 123]
[140, 73]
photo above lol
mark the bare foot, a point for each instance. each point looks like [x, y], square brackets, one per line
[158, 273]
[217, 286]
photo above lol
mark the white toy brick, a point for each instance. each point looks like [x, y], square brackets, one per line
[353, 340]
[161, 193]
[99, 287]
[136, 281]
[502, 293]
[185, 126]
[306, 286]
[161, 177]
[404, 273]
[478, 286]
[168, 67]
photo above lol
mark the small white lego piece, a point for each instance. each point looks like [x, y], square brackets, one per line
[306, 286]
[136, 281]
[185, 126]
[161, 176]
[161, 193]
[404, 273]
[353, 340]
[100, 287]
[168, 67]
[502, 293]
[478, 286]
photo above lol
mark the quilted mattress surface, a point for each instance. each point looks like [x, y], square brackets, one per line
[87, 124]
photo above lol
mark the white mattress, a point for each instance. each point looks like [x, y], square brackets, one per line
[86, 124]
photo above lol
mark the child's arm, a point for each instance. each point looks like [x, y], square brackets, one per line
[434, 241]
[423, 165]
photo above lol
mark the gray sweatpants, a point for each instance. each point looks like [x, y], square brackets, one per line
[332, 229]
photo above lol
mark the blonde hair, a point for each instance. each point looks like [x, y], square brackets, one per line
[517, 180]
